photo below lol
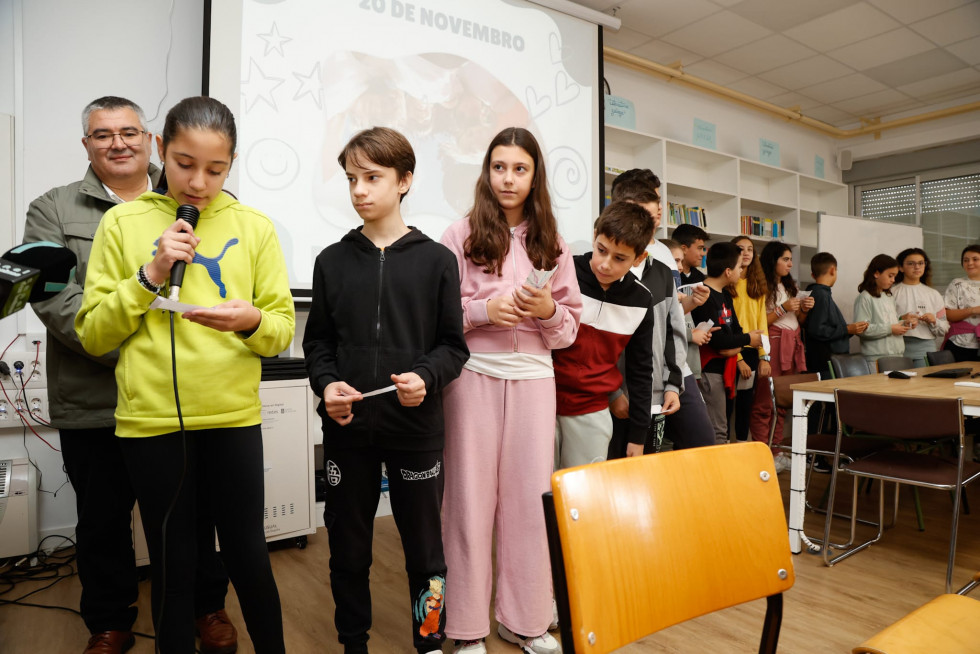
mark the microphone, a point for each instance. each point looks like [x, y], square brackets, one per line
[189, 214]
[33, 272]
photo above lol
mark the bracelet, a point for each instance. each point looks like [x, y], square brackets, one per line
[145, 282]
[780, 311]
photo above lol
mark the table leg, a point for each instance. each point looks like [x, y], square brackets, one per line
[797, 475]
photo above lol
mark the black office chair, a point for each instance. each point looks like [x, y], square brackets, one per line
[940, 357]
[849, 365]
[887, 364]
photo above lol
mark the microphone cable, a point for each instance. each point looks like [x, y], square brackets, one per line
[180, 485]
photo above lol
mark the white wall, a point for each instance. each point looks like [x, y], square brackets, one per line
[55, 57]
[668, 109]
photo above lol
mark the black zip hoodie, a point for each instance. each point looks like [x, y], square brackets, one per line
[379, 312]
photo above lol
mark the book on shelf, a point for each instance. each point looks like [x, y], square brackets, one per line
[613, 170]
[765, 227]
[681, 214]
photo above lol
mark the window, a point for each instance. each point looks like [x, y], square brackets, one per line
[946, 204]
[893, 201]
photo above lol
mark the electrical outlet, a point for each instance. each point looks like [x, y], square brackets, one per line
[34, 375]
[4, 417]
[35, 403]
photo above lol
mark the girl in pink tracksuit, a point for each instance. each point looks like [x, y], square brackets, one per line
[500, 412]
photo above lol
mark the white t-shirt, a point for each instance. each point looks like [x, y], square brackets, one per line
[788, 320]
[919, 298]
[963, 293]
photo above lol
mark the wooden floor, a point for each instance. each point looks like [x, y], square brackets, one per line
[828, 610]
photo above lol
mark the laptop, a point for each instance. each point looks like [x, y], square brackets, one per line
[950, 372]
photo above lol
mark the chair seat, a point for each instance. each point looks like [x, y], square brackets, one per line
[855, 448]
[947, 624]
[912, 468]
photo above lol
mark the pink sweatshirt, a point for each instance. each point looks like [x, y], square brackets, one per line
[531, 336]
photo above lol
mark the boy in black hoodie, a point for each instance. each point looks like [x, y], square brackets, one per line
[718, 355]
[385, 330]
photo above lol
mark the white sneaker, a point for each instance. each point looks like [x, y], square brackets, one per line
[554, 616]
[543, 644]
[470, 647]
[782, 463]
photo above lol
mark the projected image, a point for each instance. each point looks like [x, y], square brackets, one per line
[448, 107]
[448, 75]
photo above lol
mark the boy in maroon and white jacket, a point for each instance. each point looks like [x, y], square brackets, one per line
[617, 315]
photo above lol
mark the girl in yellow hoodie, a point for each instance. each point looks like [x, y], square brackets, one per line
[200, 459]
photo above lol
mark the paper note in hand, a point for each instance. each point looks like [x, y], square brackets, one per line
[538, 278]
[705, 326]
[688, 289]
[386, 389]
[745, 383]
[171, 305]
[765, 343]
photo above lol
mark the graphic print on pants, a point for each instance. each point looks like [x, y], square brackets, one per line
[428, 608]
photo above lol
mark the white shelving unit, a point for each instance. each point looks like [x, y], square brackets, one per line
[726, 187]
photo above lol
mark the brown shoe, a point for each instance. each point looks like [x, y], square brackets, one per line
[218, 634]
[110, 642]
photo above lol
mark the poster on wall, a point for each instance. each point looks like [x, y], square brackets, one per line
[449, 75]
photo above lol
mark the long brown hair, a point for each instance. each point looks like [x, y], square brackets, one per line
[771, 254]
[879, 264]
[489, 238]
[755, 278]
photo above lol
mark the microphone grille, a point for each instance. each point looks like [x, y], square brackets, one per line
[189, 213]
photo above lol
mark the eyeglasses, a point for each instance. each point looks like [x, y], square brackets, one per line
[105, 139]
[916, 264]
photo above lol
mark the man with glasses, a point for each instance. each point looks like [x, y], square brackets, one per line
[82, 393]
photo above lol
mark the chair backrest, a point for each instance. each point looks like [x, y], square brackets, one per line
[940, 357]
[782, 394]
[648, 542]
[849, 365]
[900, 416]
[886, 364]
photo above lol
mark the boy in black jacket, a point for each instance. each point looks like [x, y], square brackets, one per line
[385, 330]
[617, 317]
[826, 330]
[718, 355]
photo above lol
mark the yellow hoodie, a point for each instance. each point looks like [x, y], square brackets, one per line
[218, 372]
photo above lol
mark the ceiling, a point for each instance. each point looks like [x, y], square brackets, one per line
[838, 61]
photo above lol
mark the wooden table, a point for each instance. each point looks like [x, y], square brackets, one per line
[804, 395]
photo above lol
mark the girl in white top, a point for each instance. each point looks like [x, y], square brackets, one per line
[963, 307]
[876, 306]
[915, 297]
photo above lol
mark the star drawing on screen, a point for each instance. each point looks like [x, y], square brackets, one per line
[274, 40]
[258, 86]
[310, 85]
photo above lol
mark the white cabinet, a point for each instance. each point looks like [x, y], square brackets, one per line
[289, 426]
[727, 188]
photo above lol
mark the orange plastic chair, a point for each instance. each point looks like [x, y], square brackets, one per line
[947, 624]
[640, 544]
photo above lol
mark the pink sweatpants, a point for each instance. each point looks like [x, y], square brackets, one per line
[500, 446]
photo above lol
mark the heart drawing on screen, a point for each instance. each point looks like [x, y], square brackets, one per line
[565, 89]
[535, 105]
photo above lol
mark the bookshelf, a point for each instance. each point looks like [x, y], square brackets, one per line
[727, 188]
